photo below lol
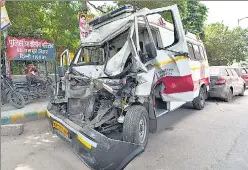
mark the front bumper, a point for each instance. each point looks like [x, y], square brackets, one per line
[95, 149]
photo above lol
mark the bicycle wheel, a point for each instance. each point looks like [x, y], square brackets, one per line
[16, 99]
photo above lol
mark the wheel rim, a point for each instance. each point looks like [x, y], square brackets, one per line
[15, 98]
[142, 129]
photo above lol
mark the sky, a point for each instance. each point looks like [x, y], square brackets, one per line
[227, 12]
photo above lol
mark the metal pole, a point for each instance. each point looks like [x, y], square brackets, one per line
[241, 19]
[55, 73]
[0, 58]
[7, 64]
[46, 74]
[85, 7]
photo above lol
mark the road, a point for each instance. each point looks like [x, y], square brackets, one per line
[214, 138]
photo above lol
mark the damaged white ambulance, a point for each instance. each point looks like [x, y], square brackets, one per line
[128, 73]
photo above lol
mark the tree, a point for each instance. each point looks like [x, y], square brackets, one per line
[193, 13]
[224, 45]
[194, 16]
[51, 20]
[54, 20]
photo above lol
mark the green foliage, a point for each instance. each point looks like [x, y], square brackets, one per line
[53, 20]
[224, 45]
[193, 13]
[194, 16]
[50, 20]
[57, 21]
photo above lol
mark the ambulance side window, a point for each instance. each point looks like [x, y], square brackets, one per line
[191, 51]
[202, 52]
[197, 53]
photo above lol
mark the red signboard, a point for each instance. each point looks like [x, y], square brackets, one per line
[30, 49]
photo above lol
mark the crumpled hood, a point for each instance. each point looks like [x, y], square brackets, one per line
[91, 71]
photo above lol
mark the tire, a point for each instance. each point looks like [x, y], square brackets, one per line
[3, 97]
[199, 101]
[243, 91]
[136, 119]
[16, 99]
[229, 96]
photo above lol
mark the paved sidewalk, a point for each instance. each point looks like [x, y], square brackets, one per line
[7, 109]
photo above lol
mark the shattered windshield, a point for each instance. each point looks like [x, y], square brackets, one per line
[97, 55]
[90, 55]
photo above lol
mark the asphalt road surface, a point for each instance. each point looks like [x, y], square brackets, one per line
[214, 138]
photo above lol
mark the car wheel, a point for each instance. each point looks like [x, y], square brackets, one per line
[243, 91]
[229, 96]
[136, 125]
[199, 101]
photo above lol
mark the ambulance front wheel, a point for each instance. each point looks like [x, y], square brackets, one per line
[136, 125]
[199, 101]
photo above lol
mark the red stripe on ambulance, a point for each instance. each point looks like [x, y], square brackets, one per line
[180, 84]
[177, 84]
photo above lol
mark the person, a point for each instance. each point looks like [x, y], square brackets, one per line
[83, 19]
[31, 72]
[83, 26]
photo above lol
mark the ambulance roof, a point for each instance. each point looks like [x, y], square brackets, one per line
[112, 21]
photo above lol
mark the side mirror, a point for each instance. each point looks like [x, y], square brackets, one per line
[67, 58]
[151, 50]
[61, 71]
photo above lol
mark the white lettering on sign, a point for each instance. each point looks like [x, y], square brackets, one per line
[33, 43]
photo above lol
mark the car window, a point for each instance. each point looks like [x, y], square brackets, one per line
[243, 71]
[238, 71]
[191, 51]
[224, 72]
[197, 52]
[229, 72]
[234, 73]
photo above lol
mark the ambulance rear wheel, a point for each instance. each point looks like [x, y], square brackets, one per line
[136, 125]
[199, 101]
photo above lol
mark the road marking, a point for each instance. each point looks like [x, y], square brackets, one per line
[17, 116]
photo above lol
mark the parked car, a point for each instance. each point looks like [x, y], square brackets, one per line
[242, 72]
[225, 83]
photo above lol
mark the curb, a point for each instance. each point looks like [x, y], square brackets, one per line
[23, 117]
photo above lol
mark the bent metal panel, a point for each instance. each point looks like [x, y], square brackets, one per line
[30, 49]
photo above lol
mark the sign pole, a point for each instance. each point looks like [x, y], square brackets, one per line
[7, 62]
[1, 58]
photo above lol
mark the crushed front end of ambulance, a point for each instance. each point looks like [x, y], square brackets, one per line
[95, 149]
[104, 104]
